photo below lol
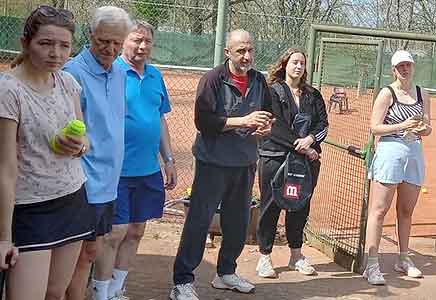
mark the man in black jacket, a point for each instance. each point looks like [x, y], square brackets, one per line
[231, 109]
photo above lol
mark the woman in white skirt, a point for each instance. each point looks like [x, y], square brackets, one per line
[401, 116]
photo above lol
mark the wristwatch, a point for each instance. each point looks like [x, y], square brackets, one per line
[170, 159]
[82, 151]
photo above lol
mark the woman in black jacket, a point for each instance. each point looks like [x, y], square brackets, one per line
[291, 97]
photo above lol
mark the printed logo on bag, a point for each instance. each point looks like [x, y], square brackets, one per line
[292, 191]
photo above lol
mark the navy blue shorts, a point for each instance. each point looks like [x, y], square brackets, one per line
[140, 198]
[103, 215]
[54, 223]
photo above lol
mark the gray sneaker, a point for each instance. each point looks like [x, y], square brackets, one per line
[184, 292]
[373, 275]
[233, 282]
[302, 265]
[265, 267]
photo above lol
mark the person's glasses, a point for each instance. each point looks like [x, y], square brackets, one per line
[50, 11]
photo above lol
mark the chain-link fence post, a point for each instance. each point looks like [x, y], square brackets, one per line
[220, 32]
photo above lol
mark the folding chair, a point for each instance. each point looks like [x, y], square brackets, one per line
[338, 98]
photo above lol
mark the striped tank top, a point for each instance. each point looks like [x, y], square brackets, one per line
[399, 112]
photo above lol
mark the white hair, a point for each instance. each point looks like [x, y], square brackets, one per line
[110, 15]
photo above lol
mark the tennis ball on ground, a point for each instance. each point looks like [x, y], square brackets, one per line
[424, 190]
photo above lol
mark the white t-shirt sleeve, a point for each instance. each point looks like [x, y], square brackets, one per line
[9, 101]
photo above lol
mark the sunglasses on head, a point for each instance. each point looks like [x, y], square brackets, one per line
[50, 11]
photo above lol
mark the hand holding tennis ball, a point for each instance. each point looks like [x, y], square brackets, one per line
[69, 141]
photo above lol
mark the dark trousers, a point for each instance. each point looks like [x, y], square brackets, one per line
[230, 186]
[270, 212]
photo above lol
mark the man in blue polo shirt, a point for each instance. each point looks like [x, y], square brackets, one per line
[103, 105]
[141, 190]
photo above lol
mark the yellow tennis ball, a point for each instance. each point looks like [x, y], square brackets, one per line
[424, 190]
[74, 128]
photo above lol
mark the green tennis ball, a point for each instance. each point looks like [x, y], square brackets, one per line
[75, 127]
[54, 146]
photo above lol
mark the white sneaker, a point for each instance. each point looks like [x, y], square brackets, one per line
[184, 292]
[119, 295]
[373, 275]
[265, 267]
[233, 282]
[302, 265]
[407, 267]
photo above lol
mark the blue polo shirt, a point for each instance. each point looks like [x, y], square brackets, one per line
[103, 106]
[147, 102]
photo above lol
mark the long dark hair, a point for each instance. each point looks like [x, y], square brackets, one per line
[277, 71]
[44, 15]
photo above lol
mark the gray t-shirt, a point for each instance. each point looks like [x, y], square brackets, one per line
[42, 174]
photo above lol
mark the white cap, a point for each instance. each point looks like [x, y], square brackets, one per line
[401, 56]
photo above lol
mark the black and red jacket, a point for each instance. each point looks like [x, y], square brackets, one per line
[217, 99]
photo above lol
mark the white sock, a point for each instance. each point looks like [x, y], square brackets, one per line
[117, 282]
[101, 288]
[372, 260]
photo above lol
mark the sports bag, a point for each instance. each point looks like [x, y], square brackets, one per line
[292, 185]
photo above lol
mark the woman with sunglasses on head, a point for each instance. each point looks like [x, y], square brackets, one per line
[293, 100]
[400, 116]
[41, 192]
